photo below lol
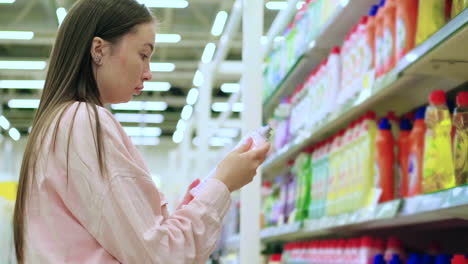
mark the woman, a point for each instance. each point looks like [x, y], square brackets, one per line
[85, 194]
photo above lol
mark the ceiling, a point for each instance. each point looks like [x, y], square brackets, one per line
[193, 23]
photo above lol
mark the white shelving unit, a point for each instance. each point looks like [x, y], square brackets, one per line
[438, 63]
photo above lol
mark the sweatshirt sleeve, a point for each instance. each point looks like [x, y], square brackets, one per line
[123, 209]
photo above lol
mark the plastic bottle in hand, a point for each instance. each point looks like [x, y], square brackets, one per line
[259, 137]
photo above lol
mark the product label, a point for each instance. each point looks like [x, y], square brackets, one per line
[379, 52]
[400, 36]
[412, 173]
[367, 57]
[461, 157]
[388, 47]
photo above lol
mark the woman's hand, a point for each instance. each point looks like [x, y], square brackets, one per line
[240, 166]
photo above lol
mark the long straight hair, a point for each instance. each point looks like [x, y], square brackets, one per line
[69, 79]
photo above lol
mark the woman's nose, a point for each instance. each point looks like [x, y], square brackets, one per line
[147, 76]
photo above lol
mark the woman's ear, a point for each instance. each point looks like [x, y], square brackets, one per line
[98, 50]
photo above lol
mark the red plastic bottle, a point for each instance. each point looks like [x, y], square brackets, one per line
[416, 155]
[389, 36]
[385, 161]
[394, 246]
[379, 39]
[403, 155]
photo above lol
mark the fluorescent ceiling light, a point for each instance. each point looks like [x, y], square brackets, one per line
[280, 5]
[14, 134]
[181, 125]
[61, 13]
[23, 65]
[139, 105]
[4, 123]
[187, 112]
[208, 53]
[16, 35]
[7, 1]
[139, 118]
[219, 23]
[145, 141]
[178, 136]
[192, 96]
[162, 67]
[22, 84]
[143, 131]
[24, 103]
[227, 132]
[230, 87]
[165, 3]
[157, 86]
[198, 78]
[223, 107]
[168, 38]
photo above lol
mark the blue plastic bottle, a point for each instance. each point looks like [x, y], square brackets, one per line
[395, 259]
[379, 259]
[414, 259]
[427, 259]
[443, 259]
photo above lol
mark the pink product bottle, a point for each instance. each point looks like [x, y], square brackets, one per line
[362, 65]
[394, 246]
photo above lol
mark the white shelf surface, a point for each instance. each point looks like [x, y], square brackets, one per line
[444, 205]
[438, 63]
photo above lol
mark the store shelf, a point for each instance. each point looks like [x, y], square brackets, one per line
[438, 63]
[445, 205]
[280, 232]
[332, 33]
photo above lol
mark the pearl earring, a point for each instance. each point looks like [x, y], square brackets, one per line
[98, 60]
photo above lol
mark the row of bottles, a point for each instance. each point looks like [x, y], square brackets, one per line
[374, 162]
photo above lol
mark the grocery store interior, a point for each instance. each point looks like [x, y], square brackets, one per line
[364, 103]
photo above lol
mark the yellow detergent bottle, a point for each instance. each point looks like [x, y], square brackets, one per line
[366, 146]
[438, 167]
[460, 120]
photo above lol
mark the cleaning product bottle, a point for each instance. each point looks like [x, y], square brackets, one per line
[379, 259]
[404, 145]
[394, 121]
[385, 160]
[361, 66]
[431, 17]
[428, 259]
[443, 259]
[369, 52]
[416, 156]
[389, 41]
[458, 6]
[333, 180]
[414, 259]
[459, 259]
[394, 247]
[367, 144]
[395, 259]
[460, 120]
[334, 75]
[438, 172]
[379, 39]
[406, 22]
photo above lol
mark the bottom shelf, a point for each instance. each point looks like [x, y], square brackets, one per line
[445, 205]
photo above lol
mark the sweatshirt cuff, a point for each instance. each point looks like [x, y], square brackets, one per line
[215, 194]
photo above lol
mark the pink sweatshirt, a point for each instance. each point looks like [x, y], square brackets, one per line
[117, 218]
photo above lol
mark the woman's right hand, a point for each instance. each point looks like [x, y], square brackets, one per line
[240, 166]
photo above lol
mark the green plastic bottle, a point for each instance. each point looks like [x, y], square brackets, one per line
[438, 167]
[303, 171]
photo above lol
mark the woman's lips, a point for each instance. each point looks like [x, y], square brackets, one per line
[138, 90]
